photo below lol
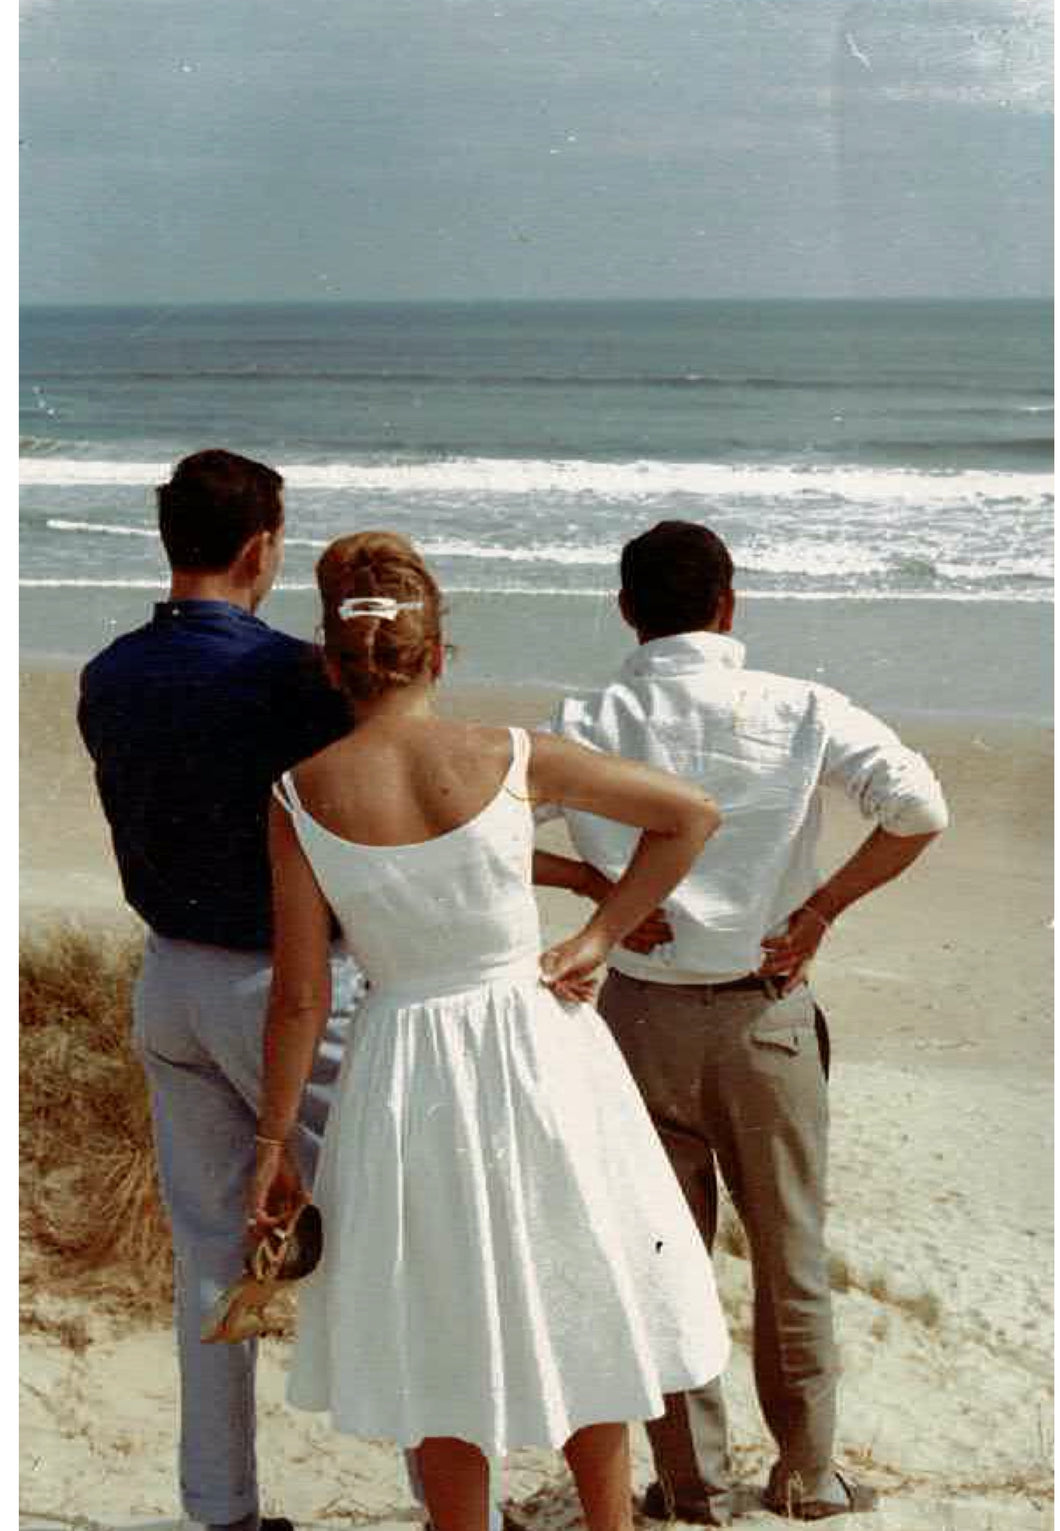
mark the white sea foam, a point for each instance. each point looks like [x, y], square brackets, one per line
[100, 528]
[455, 588]
[632, 481]
[445, 548]
[829, 556]
[88, 583]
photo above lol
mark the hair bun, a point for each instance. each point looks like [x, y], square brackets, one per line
[375, 652]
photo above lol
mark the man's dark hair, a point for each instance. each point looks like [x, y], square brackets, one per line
[673, 578]
[214, 503]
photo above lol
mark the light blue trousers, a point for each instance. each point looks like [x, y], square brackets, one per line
[199, 1013]
[198, 1019]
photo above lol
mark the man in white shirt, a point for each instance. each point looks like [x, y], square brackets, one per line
[719, 1025]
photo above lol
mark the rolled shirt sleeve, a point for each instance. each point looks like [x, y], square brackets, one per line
[889, 782]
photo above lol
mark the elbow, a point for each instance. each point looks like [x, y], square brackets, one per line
[907, 805]
[704, 820]
[917, 821]
[298, 1006]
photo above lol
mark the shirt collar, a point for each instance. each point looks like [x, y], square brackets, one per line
[196, 610]
[685, 652]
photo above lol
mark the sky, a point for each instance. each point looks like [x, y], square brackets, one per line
[262, 150]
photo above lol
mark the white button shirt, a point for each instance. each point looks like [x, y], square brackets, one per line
[762, 746]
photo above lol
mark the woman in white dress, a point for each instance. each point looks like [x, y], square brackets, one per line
[508, 1259]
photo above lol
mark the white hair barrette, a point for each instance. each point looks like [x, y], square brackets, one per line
[382, 606]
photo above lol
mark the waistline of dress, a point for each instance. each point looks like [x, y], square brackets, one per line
[428, 987]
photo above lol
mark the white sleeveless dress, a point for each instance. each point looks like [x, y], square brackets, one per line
[507, 1254]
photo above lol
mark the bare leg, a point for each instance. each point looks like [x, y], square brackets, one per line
[598, 1457]
[455, 1478]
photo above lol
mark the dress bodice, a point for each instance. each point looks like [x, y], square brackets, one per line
[441, 914]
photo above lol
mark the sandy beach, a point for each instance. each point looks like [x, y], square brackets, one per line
[938, 992]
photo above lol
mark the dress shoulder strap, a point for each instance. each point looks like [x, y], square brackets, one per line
[284, 793]
[515, 780]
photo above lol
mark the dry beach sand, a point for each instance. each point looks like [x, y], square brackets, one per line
[938, 991]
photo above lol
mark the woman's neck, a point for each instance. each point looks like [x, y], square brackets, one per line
[400, 704]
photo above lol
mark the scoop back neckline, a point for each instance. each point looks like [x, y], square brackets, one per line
[412, 845]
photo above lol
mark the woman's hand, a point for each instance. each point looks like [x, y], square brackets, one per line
[568, 967]
[275, 1190]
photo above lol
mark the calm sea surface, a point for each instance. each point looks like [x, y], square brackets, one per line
[881, 471]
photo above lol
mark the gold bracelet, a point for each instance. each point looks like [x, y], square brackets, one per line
[270, 1142]
[809, 909]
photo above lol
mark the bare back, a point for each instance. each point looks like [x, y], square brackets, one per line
[404, 782]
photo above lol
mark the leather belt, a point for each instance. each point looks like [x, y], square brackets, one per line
[752, 981]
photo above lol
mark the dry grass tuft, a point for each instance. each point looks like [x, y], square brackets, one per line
[840, 1274]
[924, 1307]
[90, 1206]
[732, 1236]
[71, 1332]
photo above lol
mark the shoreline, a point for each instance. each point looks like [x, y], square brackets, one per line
[907, 660]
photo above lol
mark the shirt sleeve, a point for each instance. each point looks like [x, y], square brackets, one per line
[545, 813]
[310, 712]
[85, 714]
[889, 782]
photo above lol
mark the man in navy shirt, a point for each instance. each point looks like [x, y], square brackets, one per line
[188, 721]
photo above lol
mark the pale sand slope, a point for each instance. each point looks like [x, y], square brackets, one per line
[938, 992]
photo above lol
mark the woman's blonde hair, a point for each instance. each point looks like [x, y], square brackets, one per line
[372, 654]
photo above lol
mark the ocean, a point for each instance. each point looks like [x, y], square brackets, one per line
[881, 471]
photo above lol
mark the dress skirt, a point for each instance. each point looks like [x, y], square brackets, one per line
[507, 1253]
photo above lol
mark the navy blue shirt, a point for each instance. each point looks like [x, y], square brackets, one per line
[189, 720]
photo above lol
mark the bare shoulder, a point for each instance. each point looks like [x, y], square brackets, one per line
[320, 766]
[483, 737]
[472, 746]
[435, 745]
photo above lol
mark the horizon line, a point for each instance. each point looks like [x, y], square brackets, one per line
[537, 302]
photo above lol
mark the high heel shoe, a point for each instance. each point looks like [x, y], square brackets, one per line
[285, 1253]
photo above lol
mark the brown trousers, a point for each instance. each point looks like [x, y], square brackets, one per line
[737, 1082]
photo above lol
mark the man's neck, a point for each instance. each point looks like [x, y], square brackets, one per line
[714, 630]
[186, 585]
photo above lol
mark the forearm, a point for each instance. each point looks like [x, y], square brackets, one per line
[292, 1034]
[657, 866]
[553, 871]
[878, 860]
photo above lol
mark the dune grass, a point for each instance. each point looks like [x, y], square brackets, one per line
[91, 1219]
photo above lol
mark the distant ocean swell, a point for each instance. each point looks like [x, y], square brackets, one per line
[315, 376]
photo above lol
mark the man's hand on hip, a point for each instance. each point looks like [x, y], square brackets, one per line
[788, 956]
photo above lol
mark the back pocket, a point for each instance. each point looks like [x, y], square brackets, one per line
[788, 1024]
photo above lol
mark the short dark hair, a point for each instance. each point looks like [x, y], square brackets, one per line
[673, 577]
[213, 504]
